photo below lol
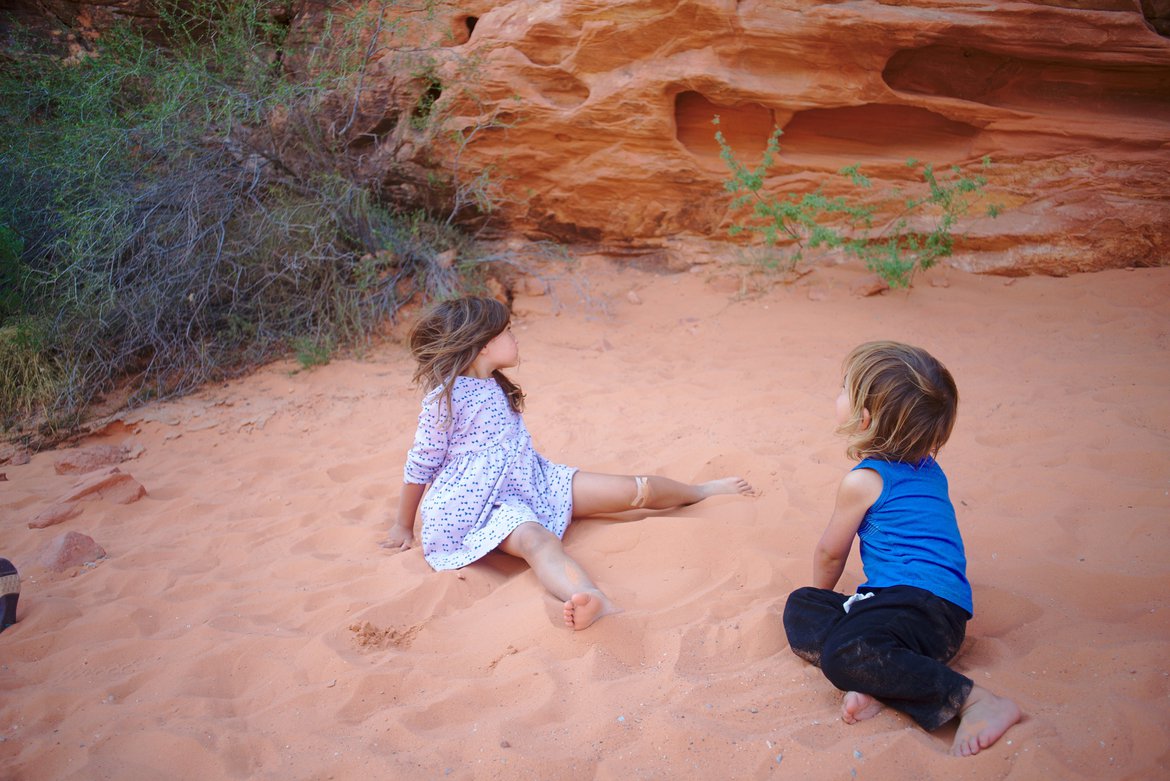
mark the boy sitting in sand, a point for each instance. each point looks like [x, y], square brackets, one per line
[888, 644]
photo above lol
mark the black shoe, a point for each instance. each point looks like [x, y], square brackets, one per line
[9, 593]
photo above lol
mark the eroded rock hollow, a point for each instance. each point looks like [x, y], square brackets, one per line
[609, 108]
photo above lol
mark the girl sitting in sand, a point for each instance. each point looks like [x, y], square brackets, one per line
[489, 489]
[888, 644]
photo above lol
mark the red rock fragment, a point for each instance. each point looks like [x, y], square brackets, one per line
[58, 513]
[872, 285]
[113, 485]
[90, 458]
[68, 550]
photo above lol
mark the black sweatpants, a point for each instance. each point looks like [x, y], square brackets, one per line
[893, 646]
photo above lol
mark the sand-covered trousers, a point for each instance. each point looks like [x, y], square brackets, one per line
[893, 646]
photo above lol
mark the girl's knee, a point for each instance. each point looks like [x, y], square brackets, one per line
[527, 539]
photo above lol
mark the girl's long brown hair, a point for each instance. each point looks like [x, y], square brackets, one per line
[447, 338]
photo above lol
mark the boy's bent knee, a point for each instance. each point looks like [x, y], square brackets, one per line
[849, 665]
[810, 616]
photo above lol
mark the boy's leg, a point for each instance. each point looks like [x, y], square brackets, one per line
[810, 615]
[982, 721]
[894, 647]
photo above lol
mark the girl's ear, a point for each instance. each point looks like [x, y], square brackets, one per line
[865, 418]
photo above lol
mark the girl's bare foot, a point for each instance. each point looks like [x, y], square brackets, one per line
[583, 608]
[982, 721]
[856, 707]
[726, 485]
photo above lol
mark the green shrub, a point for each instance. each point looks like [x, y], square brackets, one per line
[912, 240]
[30, 379]
[174, 213]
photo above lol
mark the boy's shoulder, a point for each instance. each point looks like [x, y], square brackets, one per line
[924, 466]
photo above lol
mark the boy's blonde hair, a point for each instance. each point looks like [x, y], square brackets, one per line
[911, 399]
[447, 338]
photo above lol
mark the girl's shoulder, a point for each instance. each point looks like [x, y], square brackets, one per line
[463, 389]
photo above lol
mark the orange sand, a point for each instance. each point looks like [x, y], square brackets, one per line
[246, 625]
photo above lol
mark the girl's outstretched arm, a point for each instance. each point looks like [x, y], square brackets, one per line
[401, 535]
[858, 491]
[424, 460]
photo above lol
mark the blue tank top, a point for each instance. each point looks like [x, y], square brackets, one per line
[910, 537]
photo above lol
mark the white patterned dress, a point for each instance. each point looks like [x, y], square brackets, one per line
[486, 479]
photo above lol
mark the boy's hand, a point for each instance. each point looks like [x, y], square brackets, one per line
[399, 538]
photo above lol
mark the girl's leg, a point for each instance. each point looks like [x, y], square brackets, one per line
[560, 574]
[599, 494]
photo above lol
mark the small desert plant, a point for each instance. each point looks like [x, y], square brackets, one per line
[896, 248]
[30, 380]
[311, 352]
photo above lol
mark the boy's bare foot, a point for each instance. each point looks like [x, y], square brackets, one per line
[583, 608]
[856, 707]
[982, 721]
[726, 485]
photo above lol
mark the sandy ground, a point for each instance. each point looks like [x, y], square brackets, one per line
[246, 625]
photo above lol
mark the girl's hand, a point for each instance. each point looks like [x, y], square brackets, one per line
[399, 538]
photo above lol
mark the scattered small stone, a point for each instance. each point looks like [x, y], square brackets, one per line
[113, 486]
[58, 513]
[754, 710]
[71, 549]
[817, 294]
[505, 744]
[872, 285]
[779, 758]
[634, 298]
[331, 684]
[90, 459]
[856, 754]
[1009, 282]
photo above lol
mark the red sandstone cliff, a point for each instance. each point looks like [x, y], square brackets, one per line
[603, 112]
